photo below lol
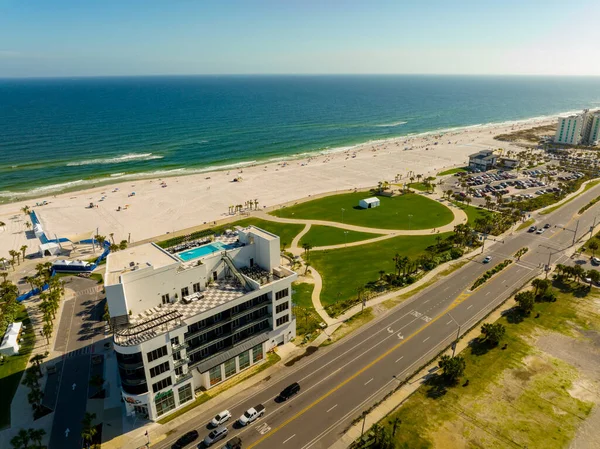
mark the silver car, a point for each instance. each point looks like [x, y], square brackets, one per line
[215, 435]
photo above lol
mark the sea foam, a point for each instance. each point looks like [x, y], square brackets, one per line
[130, 157]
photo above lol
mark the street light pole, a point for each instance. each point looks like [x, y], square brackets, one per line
[345, 238]
[575, 233]
[457, 335]
[409, 217]
[343, 215]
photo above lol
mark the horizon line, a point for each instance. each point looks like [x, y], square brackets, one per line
[40, 77]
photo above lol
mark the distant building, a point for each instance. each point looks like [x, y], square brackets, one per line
[509, 162]
[483, 160]
[579, 129]
[369, 203]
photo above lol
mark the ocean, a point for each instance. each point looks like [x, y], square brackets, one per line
[65, 134]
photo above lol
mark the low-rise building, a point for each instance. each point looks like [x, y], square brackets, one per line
[191, 320]
[483, 160]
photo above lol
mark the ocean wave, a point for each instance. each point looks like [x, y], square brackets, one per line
[130, 157]
[390, 125]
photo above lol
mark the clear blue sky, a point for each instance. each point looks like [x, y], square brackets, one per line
[149, 37]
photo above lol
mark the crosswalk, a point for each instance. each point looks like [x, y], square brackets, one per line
[89, 290]
[79, 352]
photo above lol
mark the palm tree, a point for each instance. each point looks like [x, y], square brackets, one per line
[4, 275]
[37, 435]
[112, 236]
[12, 264]
[88, 432]
[123, 244]
[47, 331]
[23, 249]
[26, 210]
[100, 239]
[13, 254]
[37, 360]
[114, 248]
[28, 225]
[21, 439]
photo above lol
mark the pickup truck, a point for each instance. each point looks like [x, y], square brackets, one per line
[251, 415]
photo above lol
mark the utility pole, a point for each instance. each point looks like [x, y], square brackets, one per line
[457, 335]
[575, 233]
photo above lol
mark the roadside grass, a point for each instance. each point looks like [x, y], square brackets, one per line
[473, 213]
[420, 186]
[329, 235]
[285, 231]
[353, 323]
[526, 224]
[399, 212]
[345, 269]
[307, 318]
[272, 358]
[97, 277]
[13, 367]
[517, 397]
[452, 171]
[587, 187]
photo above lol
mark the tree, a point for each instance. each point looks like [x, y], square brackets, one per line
[541, 285]
[23, 249]
[452, 367]
[47, 331]
[112, 236]
[100, 239]
[114, 247]
[4, 275]
[123, 244]
[13, 254]
[37, 360]
[26, 210]
[21, 439]
[37, 435]
[493, 332]
[525, 301]
[89, 431]
[593, 276]
[593, 245]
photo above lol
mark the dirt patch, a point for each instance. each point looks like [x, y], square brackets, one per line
[309, 351]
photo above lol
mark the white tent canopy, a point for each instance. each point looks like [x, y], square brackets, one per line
[49, 249]
[369, 203]
[10, 342]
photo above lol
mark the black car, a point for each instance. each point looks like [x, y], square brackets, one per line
[547, 225]
[186, 439]
[289, 391]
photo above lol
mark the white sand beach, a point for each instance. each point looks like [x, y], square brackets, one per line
[192, 200]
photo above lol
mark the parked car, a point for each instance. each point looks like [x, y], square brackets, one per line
[220, 418]
[251, 415]
[531, 229]
[540, 231]
[234, 443]
[487, 259]
[547, 225]
[290, 391]
[216, 435]
[186, 439]
[595, 261]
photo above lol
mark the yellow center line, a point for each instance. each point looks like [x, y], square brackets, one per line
[352, 377]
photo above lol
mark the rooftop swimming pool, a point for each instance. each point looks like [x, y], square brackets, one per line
[204, 250]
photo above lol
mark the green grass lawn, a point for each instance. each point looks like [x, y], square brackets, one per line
[285, 231]
[392, 214]
[519, 394]
[473, 213]
[307, 318]
[422, 187]
[12, 369]
[345, 269]
[329, 235]
[452, 171]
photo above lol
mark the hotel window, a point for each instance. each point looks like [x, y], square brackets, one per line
[196, 287]
[215, 375]
[179, 371]
[235, 323]
[157, 354]
[165, 299]
[281, 307]
[177, 355]
[165, 403]
[281, 294]
[175, 341]
[159, 369]
[284, 319]
[220, 345]
[219, 331]
[244, 360]
[161, 384]
[217, 317]
[229, 368]
[185, 393]
[257, 353]
[185, 292]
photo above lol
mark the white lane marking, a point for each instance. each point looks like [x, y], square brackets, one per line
[469, 306]
[448, 322]
[487, 293]
[390, 330]
[332, 408]
[368, 381]
[289, 438]
[399, 359]
[425, 339]
[446, 288]
[425, 302]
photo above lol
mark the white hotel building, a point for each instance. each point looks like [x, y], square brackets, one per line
[579, 129]
[192, 320]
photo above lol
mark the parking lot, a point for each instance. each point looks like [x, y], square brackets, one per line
[511, 185]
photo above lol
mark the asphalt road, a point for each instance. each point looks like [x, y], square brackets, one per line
[342, 380]
[80, 325]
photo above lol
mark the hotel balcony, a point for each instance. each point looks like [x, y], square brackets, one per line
[183, 377]
[179, 347]
[181, 362]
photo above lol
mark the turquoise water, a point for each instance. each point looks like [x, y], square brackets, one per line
[203, 251]
[65, 134]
